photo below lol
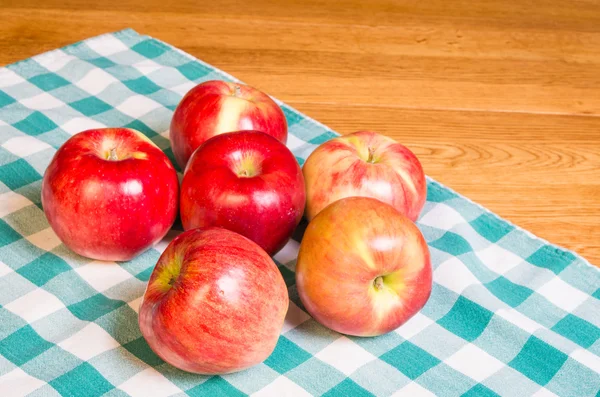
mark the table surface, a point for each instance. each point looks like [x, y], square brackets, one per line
[500, 99]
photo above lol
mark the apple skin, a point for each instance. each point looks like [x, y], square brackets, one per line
[110, 208]
[363, 268]
[215, 303]
[342, 167]
[215, 107]
[244, 181]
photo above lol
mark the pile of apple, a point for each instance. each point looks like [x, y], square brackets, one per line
[216, 302]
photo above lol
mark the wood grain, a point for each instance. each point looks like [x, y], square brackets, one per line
[500, 99]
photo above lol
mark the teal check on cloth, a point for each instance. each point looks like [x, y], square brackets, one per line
[509, 314]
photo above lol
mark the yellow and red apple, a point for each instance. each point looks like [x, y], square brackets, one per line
[364, 164]
[215, 303]
[215, 107]
[363, 268]
[244, 181]
[110, 193]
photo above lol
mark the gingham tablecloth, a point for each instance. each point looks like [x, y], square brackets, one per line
[510, 314]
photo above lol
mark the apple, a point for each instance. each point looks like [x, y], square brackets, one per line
[110, 193]
[215, 303]
[365, 164]
[215, 107]
[363, 268]
[245, 181]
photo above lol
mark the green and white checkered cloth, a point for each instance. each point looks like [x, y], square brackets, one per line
[510, 314]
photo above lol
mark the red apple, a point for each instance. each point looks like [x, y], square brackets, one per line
[110, 193]
[215, 303]
[215, 107]
[244, 181]
[363, 268]
[364, 164]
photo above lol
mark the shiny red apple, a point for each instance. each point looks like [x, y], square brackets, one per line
[364, 164]
[110, 194]
[215, 107]
[363, 268]
[215, 303]
[244, 181]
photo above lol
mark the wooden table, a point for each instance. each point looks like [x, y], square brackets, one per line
[499, 98]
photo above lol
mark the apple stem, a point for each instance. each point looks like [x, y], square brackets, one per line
[236, 91]
[378, 283]
[112, 155]
[371, 155]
